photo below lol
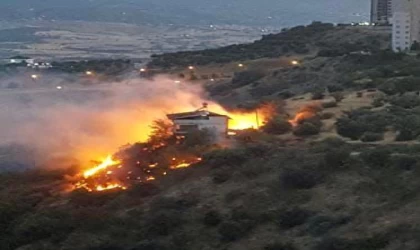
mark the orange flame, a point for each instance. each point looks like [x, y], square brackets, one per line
[106, 163]
[300, 117]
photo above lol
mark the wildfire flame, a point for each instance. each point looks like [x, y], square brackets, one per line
[241, 121]
[108, 162]
[300, 117]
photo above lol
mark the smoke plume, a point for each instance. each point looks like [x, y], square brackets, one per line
[87, 123]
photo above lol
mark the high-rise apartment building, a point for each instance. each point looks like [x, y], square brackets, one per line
[405, 24]
[381, 11]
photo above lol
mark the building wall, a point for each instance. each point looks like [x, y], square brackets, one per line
[219, 124]
[381, 11]
[401, 31]
[405, 24]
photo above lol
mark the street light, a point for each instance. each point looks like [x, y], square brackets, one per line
[89, 73]
[34, 76]
[191, 67]
[295, 62]
[240, 65]
[142, 70]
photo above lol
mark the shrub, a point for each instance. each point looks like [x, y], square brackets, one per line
[221, 176]
[246, 77]
[371, 137]
[162, 223]
[286, 94]
[42, 226]
[294, 217]
[388, 88]
[329, 104]
[280, 246]
[148, 245]
[327, 115]
[233, 230]
[320, 225]
[378, 102]
[338, 96]
[226, 157]
[195, 138]
[371, 243]
[298, 179]
[277, 125]
[378, 157]
[334, 88]
[318, 95]
[306, 129]
[349, 128]
[335, 158]
[404, 162]
[408, 128]
[406, 101]
[212, 218]
[143, 190]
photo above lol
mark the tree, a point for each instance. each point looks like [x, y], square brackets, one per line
[415, 46]
[162, 130]
[277, 125]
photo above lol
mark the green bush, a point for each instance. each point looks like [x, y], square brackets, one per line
[372, 243]
[378, 102]
[335, 89]
[226, 157]
[378, 157]
[327, 115]
[306, 129]
[338, 96]
[221, 175]
[406, 101]
[404, 162]
[233, 230]
[371, 137]
[388, 88]
[349, 128]
[408, 127]
[277, 125]
[336, 157]
[320, 225]
[293, 217]
[298, 179]
[329, 104]
[246, 77]
[162, 223]
[280, 246]
[212, 218]
[41, 226]
[318, 95]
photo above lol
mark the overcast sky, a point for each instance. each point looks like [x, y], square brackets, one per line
[258, 12]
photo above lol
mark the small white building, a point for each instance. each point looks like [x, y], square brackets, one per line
[20, 59]
[200, 119]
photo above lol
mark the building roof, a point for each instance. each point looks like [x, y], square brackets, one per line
[194, 114]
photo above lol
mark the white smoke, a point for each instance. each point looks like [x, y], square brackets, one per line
[87, 123]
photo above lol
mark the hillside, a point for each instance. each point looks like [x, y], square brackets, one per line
[335, 165]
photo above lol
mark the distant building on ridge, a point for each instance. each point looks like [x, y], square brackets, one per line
[405, 24]
[381, 12]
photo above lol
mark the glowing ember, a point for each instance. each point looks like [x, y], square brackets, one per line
[153, 165]
[108, 162]
[182, 165]
[150, 178]
[109, 187]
